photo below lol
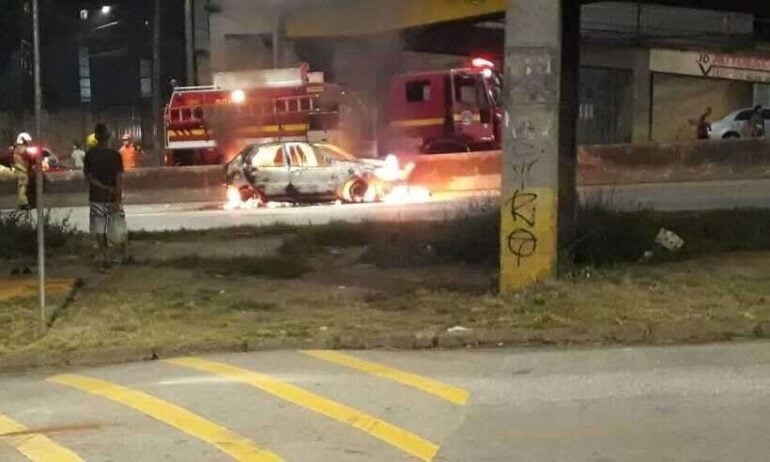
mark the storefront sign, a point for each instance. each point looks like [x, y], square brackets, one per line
[711, 65]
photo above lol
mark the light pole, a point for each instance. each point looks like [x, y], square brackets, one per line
[38, 161]
[156, 104]
[189, 38]
[277, 25]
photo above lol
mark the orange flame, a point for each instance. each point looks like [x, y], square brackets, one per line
[403, 194]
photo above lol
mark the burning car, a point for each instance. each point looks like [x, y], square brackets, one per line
[303, 172]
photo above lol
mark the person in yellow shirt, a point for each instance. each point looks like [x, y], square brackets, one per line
[91, 141]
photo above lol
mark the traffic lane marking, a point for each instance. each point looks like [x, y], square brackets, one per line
[434, 387]
[34, 445]
[175, 416]
[400, 438]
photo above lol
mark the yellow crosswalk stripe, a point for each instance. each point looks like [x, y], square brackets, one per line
[35, 446]
[408, 442]
[175, 416]
[434, 387]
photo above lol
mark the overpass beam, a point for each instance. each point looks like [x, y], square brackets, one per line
[539, 129]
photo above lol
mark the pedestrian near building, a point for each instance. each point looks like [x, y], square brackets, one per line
[704, 125]
[757, 122]
[103, 169]
[77, 155]
[22, 166]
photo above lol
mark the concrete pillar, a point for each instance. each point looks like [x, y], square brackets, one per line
[536, 131]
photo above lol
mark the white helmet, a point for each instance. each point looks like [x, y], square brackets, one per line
[23, 138]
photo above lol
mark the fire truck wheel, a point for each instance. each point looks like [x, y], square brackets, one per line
[354, 190]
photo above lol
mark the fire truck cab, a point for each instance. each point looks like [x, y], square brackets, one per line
[458, 110]
[209, 124]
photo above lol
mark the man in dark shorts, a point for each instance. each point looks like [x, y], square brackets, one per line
[103, 168]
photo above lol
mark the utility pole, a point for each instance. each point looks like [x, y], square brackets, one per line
[156, 104]
[277, 25]
[538, 138]
[39, 162]
[189, 38]
[36, 68]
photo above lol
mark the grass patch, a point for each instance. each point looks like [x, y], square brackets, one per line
[18, 234]
[164, 306]
[603, 237]
[470, 238]
[279, 267]
[185, 235]
[607, 237]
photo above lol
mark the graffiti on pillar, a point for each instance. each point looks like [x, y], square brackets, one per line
[522, 242]
[524, 207]
[528, 241]
[534, 81]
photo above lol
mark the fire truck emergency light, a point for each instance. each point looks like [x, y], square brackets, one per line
[238, 96]
[482, 62]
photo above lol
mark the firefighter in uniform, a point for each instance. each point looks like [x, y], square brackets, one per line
[22, 166]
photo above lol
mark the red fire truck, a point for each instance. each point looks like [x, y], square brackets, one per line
[455, 110]
[209, 124]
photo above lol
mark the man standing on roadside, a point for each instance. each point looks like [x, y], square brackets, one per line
[103, 169]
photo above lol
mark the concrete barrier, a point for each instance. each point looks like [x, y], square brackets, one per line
[685, 161]
[462, 172]
[142, 186]
[608, 164]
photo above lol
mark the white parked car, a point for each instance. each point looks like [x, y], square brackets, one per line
[732, 125]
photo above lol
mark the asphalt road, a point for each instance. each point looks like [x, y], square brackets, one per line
[659, 196]
[704, 403]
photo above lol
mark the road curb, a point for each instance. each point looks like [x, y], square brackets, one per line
[691, 332]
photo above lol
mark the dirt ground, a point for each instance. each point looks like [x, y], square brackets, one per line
[343, 302]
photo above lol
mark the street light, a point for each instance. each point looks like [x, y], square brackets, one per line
[106, 9]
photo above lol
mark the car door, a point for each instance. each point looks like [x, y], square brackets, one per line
[269, 170]
[472, 109]
[310, 173]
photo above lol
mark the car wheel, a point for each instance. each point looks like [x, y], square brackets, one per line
[354, 190]
[731, 135]
[248, 194]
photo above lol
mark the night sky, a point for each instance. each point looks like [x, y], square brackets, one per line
[115, 50]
